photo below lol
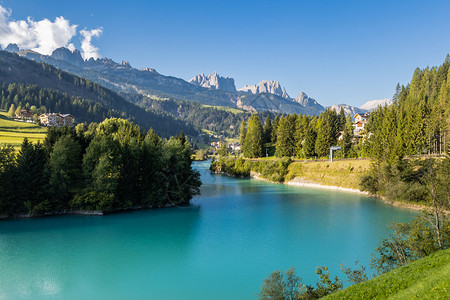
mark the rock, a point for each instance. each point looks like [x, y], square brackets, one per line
[12, 48]
[214, 81]
[374, 104]
[65, 54]
[271, 87]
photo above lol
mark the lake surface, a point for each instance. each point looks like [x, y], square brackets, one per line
[221, 247]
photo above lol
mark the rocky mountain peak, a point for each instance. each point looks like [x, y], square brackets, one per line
[271, 87]
[214, 81]
[65, 54]
[12, 48]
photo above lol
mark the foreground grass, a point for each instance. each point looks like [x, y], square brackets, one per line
[346, 174]
[427, 278]
[13, 133]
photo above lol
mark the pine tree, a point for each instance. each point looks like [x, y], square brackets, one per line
[275, 123]
[285, 145]
[242, 132]
[253, 144]
[310, 141]
[346, 143]
[268, 130]
[11, 111]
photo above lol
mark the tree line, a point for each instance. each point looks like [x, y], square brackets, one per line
[299, 136]
[103, 167]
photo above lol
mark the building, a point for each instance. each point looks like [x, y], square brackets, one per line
[25, 114]
[360, 122]
[55, 119]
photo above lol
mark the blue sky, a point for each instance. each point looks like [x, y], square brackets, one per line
[334, 51]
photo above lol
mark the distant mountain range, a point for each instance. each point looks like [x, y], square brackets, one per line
[211, 89]
[27, 81]
[366, 107]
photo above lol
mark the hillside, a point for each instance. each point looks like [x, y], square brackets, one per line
[68, 93]
[426, 278]
[12, 132]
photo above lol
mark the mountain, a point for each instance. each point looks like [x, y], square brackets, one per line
[121, 77]
[271, 87]
[214, 81]
[374, 104]
[348, 109]
[305, 101]
[12, 48]
[50, 89]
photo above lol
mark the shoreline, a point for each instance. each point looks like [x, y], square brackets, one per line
[302, 182]
[78, 212]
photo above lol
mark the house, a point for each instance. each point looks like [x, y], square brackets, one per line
[361, 117]
[25, 114]
[360, 122]
[235, 147]
[55, 119]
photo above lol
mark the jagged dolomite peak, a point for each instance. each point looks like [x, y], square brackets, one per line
[304, 100]
[374, 104]
[214, 81]
[271, 87]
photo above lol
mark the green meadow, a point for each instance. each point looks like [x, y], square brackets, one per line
[13, 132]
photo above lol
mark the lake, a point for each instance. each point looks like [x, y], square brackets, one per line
[221, 247]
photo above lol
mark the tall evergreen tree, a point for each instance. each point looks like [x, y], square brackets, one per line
[268, 130]
[285, 145]
[253, 144]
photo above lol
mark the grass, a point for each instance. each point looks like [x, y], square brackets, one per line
[228, 109]
[426, 278]
[13, 132]
[346, 174]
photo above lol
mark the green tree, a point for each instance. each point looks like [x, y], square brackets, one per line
[268, 130]
[347, 138]
[275, 124]
[285, 145]
[32, 175]
[65, 171]
[310, 141]
[11, 111]
[242, 132]
[253, 144]
[223, 151]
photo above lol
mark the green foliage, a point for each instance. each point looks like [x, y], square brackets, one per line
[253, 143]
[288, 285]
[411, 241]
[223, 151]
[276, 170]
[285, 145]
[107, 168]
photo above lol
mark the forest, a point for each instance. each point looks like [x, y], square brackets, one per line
[103, 167]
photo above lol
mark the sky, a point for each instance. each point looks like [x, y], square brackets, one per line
[335, 51]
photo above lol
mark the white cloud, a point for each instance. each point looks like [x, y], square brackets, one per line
[45, 36]
[89, 50]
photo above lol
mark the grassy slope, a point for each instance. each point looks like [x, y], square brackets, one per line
[427, 278]
[345, 174]
[12, 132]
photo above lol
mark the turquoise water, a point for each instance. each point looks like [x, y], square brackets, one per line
[222, 247]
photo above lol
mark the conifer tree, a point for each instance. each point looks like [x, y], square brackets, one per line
[285, 145]
[268, 130]
[242, 132]
[11, 111]
[275, 123]
[253, 144]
